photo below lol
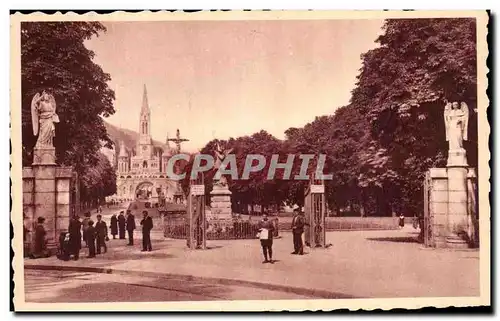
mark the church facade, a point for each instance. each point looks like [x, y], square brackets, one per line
[141, 173]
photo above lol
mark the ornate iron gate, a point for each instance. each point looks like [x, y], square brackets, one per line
[197, 236]
[315, 208]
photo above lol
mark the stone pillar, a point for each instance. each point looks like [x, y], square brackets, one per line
[438, 206]
[457, 207]
[45, 197]
[46, 193]
[457, 199]
[220, 198]
[473, 218]
[64, 202]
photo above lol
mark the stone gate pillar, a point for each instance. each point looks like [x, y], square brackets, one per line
[46, 193]
[458, 210]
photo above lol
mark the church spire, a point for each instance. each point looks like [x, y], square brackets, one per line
[145, 126]
[145, 105]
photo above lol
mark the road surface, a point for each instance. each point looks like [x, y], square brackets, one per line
[81, 287]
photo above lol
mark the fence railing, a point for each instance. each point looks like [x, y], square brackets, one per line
[177, 227]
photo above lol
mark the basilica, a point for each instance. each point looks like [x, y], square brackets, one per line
[141, 173]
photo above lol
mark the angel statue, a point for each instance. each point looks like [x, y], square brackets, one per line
[43, 116]
[456, 119]
[220, 155]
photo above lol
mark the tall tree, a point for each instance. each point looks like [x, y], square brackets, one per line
[98, 181]
[403, 87]
[54, 58]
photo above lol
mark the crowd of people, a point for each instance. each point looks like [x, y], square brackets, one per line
[93, 234]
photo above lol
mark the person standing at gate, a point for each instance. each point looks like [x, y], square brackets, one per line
[298, 223]
[113, 225]
[147, 226]
[130, 227]
[266, 229]
[75, 236]
[101, 234]
[121, 225]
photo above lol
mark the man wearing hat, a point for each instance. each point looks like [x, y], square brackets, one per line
[91, 234]
[101, 233]
[147, 226]
[298, 223]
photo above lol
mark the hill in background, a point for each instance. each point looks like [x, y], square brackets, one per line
[129, 138]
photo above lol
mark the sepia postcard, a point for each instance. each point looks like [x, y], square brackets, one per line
[250, 160]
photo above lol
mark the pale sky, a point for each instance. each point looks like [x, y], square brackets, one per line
[221, 79]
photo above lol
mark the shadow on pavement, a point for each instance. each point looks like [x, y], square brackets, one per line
[399, 239]
[214, 247]
[135, 255]
[136, 292]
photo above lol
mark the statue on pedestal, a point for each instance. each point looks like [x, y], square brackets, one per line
[456, 120]
[220, 155]
[43, 116]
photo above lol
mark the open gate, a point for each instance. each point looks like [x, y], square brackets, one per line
[315, 208]
[197, 234]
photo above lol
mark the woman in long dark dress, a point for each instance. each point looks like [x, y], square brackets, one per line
[40, 246]
[401, 221]
[114, 226]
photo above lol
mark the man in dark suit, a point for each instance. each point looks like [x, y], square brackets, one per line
[121, 226]
[101, 234]
[147, 226]
[75, 236]
[130, 227]
[298, 223]
[90, 235]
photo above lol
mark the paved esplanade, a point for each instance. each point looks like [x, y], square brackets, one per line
[361, 264]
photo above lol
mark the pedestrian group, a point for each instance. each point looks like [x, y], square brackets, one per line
[94, 234]
[266, 231]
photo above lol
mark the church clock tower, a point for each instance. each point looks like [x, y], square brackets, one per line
[145, 148]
